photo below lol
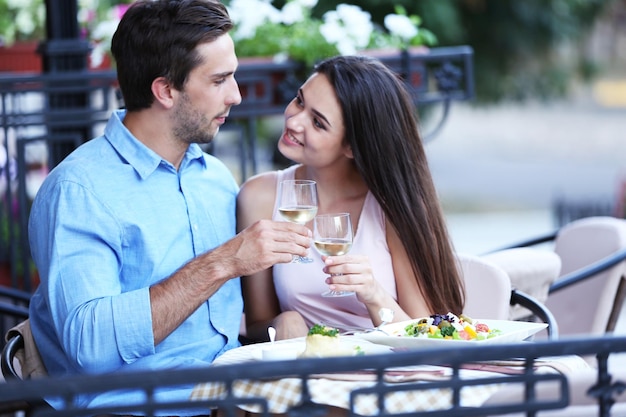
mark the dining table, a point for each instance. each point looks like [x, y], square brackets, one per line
[353, 390]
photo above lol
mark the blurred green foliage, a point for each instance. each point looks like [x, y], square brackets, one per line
[522, 48]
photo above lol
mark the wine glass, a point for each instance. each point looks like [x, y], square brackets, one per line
[332, 236]
[297, 203]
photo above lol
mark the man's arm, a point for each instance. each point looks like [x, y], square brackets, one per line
[256, 248]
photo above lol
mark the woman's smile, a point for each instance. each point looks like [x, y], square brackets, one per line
[290, 140]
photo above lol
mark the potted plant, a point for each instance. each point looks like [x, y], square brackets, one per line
[293, 33]
[21, 20]
[22, 28]
[22, 24]
[99, 21]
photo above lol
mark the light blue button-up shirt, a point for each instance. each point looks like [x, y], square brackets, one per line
[109, 221]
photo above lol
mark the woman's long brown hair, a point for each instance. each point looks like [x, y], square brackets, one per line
[381, 128]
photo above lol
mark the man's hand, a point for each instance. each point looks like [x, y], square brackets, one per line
[264, 244]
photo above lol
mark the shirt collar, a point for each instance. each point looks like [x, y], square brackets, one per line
[143, 159]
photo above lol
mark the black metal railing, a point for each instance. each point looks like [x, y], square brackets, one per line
[603, 390]
[13, 309]
[33, 114]
[28, 120]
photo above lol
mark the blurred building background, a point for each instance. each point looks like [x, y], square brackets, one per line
[544, 141]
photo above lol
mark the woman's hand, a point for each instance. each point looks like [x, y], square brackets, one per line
[353, 273]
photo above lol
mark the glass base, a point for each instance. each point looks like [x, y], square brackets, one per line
[301, 260]
[330, 293]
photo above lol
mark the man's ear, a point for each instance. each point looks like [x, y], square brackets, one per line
[162, 91]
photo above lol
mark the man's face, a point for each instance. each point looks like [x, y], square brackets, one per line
[209, 92]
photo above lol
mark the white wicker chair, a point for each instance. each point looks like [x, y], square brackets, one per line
[591, 305]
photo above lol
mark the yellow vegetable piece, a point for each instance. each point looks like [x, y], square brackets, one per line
[470, 331]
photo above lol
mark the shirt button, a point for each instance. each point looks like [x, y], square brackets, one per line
[195, 227]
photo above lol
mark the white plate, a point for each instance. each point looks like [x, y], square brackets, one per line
[254, 352]
[349, 345]
[511, 331]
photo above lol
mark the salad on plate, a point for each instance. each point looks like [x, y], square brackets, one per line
[448, 326]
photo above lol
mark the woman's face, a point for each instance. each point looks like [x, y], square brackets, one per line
[314, 131]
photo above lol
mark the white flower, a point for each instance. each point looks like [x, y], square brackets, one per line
[348, 27]
[105, 30]
[346, 47]
[331, 29]
[101, 41]
[29, 15]
[16, 4]
[248, 15]
[280, 58]
[357, 22]
[87, 10]
[292, 13]
[97, 54]
[400, 26]
[309, 4]
[24, 22]
[335, 34]
[88, 4]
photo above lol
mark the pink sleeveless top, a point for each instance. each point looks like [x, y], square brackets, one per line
[299, 286]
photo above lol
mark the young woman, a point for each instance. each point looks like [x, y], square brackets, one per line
[352, 128]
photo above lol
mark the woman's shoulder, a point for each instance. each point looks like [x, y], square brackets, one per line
[259, 184]
[256, 198]
[266, 181]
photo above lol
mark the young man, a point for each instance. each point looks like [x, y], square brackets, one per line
[133, 234]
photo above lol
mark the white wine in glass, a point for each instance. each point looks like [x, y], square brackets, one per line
[297, 203]
[332, 236]
[298, 214]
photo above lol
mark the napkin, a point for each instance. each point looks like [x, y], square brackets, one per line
[561, 364]
[396, 375]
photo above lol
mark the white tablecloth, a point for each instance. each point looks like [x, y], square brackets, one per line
[335, 389]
